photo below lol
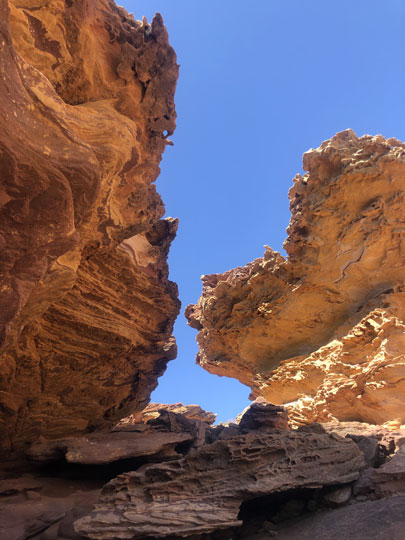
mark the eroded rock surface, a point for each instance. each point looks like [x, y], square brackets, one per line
[203, 491]
[322, 331]
[86, 307]
[159, 439]
[44, 508]
[193, 412]
[180, 477]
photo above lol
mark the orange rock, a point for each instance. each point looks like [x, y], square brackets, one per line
[86, 308]
[322, 332]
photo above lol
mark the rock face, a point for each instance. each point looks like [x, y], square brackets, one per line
[203, 491]
[323, 330]
[389, 479]
[86, 308]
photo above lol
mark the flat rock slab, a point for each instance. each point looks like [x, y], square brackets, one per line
[44, 508]
[203, 491]
[104, 448]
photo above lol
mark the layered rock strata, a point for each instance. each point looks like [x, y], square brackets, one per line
[86, 307]
[322, 331]
[159, 439]
[203, 491]
[181, 477]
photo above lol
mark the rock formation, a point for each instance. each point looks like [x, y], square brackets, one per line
[158, 439]
[322, 331]
[203, 491]
[172, 476]
[372, 520]
[155, 410]
[86, 308]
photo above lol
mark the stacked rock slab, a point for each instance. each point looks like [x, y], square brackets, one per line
[175, 476]
[86, 307]
[203, 490]
[322, 331]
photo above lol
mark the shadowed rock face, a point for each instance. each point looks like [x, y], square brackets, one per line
[86, 308]
[372, 520]
[323, 330]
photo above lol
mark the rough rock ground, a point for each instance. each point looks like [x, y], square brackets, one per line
[250, 480]
[322, 331]
[86, 307]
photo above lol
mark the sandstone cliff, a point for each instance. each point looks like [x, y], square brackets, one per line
[323, 330]
[86, 308]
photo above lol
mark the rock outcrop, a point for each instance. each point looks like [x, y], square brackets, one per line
[158, 439]
[87, 311]
[322, 331]
[203, 491]
[155, 410]
[173, 476]
[86, 307]
[44, 508]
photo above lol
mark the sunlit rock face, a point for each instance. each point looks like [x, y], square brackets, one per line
[323, 330]
[86, 307]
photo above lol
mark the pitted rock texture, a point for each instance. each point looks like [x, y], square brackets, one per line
[203, 491]
[322, 331]
[86, 307]
[154, 410]
[187, 478]
[390, 440]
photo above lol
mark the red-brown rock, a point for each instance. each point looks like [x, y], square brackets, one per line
[263, 415]
[86, 308]
[154, 410]
[389, 479]
[157, 440]
[203, 491]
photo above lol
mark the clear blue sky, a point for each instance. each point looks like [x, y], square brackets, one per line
[260, 83]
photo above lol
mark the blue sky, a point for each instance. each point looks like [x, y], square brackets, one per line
[260, 83]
